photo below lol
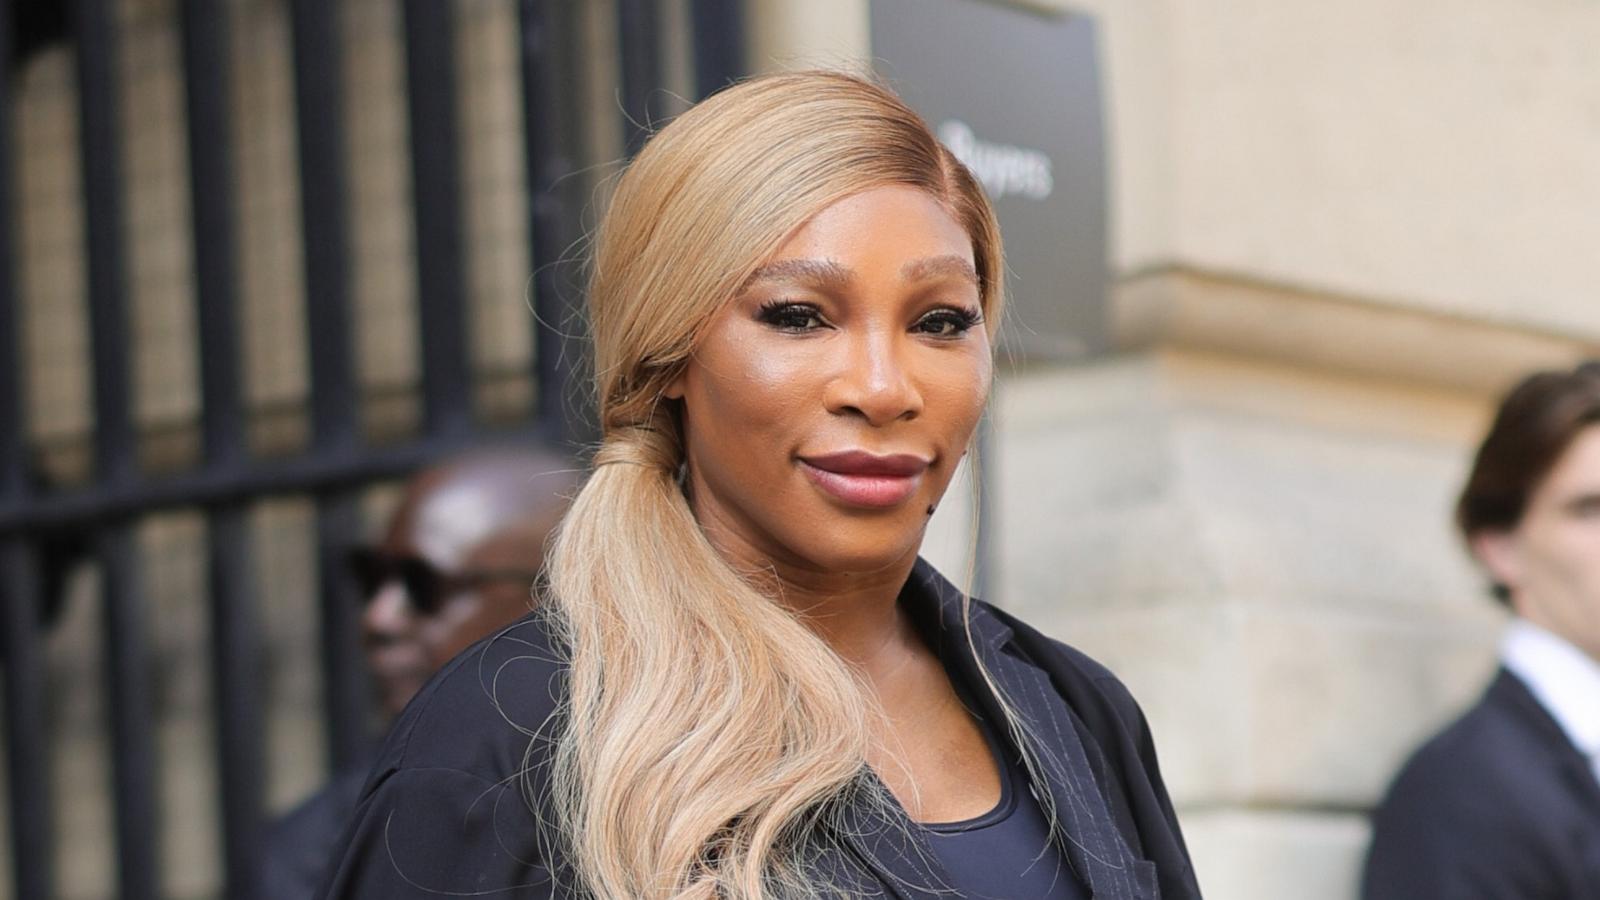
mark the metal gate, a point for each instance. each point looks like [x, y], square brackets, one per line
[44, 519]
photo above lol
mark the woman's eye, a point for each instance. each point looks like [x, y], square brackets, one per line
[947, 322]
[794, 317]
[1587, 507]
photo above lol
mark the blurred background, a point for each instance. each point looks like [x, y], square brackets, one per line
[1273, 263]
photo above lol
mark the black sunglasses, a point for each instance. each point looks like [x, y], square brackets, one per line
[427, 588]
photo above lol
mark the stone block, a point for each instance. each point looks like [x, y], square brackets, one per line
[85, 842]
[1246, 854]
[189, 856]
[1300, 157]
[1336, 701]
[1088, 502]
[1316, 517]
[1186, 667]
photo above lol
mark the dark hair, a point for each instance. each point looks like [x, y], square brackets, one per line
[1536, 422]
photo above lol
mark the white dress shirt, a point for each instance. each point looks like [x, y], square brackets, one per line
[1564, 679]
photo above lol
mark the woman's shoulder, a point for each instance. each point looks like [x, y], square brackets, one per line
[455, 804]
[486, 708]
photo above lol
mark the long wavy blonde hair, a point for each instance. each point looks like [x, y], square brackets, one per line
[706, 728]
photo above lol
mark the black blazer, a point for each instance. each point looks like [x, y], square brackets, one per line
[1499, 805]
[444, 812]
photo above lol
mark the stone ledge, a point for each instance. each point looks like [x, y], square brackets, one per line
[1195, 309]
[1183, 478]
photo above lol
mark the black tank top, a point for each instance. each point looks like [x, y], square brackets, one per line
[1007, 853]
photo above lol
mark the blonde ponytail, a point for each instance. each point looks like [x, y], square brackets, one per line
[711, 716]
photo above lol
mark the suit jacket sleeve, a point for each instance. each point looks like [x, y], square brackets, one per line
[1143, 782]
[436, 832]
[1133, 748]
[1498, 805]
[1437, 839]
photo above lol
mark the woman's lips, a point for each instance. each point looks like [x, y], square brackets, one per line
[864, 479]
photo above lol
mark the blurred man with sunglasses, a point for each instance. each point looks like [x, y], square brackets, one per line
[457, 562]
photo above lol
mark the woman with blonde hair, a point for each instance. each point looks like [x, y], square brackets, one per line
[745, 684]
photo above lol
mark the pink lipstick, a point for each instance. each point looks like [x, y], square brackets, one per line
[859, 478]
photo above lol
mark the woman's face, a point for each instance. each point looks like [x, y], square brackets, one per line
[829, 403]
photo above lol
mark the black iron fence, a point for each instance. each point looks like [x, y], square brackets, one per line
[336, 462]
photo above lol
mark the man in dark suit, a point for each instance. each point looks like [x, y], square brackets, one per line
[457, 562]
[1505, 802]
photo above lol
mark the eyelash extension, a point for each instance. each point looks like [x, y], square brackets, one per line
[963, 319]
[782, 314]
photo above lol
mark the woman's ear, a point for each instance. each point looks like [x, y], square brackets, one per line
[1500, 553]
[674, 388]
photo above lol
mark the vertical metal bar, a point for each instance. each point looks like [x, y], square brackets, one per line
[101, 158]
[206, 81]
[236, 667]
[13, 431]
[235, 645]
[319, 103]
[436, 196]
[115, 450]
[551, 151]
[345, 688]
[324, 217]
[127, 644]
[718, 44]
[638, 31]
[32, 814]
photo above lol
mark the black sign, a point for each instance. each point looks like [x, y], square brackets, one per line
[1016, 94]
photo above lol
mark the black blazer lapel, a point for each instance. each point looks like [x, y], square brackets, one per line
[1091, 839]
[1092, 842]
[1508, 692]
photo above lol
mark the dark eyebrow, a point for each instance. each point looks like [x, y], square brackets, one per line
[937, 266]
[823, 273]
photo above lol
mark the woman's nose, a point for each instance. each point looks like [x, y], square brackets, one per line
[875, 382]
